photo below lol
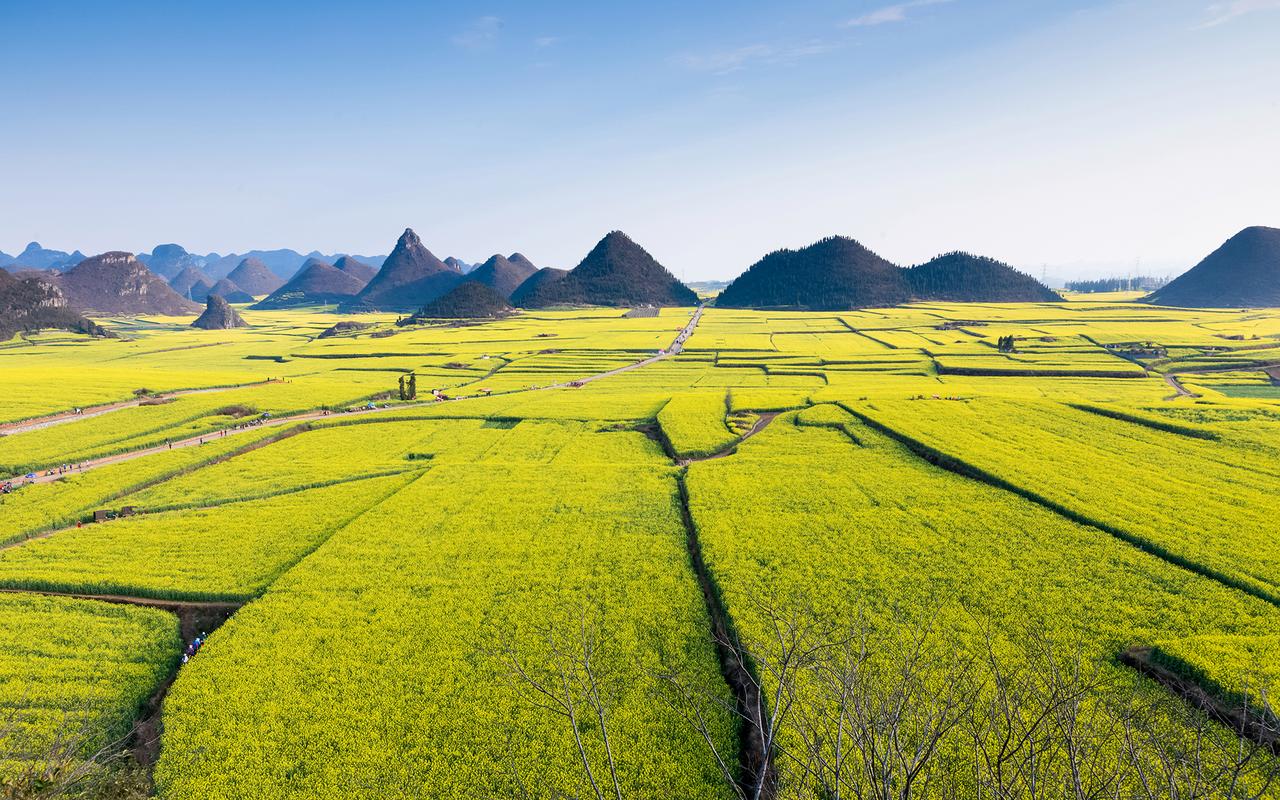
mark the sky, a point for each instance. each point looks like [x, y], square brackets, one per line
[1071, 138]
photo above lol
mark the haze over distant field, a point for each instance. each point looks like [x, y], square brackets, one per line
[1074, 137]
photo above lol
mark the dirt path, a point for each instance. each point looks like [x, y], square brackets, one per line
[765, 418]
[37, 423]
[676, 348]
[1181, 390]
[195, 441]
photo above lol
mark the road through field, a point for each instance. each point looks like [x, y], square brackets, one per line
[195, 441]
[1178, 387]
[762, 422]
[36, 423]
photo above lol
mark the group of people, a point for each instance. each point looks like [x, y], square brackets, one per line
[65, 469]
[193, 648]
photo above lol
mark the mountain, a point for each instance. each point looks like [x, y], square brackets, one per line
[167, 260]
[533, 284]
[316, 283]
[1243, 272]
[224, 288]
[519, 260]
[459, 265]
[356, 269]
[410, 277]
[468, 300]
[199, 291]
[36, 257]
[218, 316]
[117, 283]
[617, 272]
[284, 263]
[834, 274]
[966, 278]
[30, 304]
[502, 274]
[254, 277]
[186, 280]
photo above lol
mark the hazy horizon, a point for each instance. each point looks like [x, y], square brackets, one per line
[1084, 139]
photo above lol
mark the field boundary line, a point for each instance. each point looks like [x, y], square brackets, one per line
[758, 773]
[1153, 424]
[965, 469]
[1153, 663]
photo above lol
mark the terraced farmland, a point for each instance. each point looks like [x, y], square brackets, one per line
[577, 564]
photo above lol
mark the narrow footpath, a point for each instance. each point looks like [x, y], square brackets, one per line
[761, 423]
[195, 441]
[48, 421]
[1177, 386]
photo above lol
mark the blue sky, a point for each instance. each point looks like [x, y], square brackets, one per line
[1076, 136]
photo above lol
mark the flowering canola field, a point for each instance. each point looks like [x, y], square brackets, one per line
[544, 575]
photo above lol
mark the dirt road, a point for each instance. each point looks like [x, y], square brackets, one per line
[195, 441]
[1178, 387]
[50, 420]
[765, 418]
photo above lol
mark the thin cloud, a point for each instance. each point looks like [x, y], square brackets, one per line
[1218, 13]
[723, 62]
[543, 42]
[480, 34]
[894, 13]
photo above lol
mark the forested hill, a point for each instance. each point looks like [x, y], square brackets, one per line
[839, 273]
[966, 278]
[830, 275]
[1243, 272]
[468, 300]
[617, 272]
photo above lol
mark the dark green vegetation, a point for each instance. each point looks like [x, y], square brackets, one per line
[1244, 272]
[834, 274]
[468, 300]
[966, 278]
[838, 274]
[617, 272]
[535, 283]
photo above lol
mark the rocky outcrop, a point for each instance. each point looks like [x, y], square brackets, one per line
[117, 283]
[218, 316]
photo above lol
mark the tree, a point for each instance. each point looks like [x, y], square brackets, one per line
[901, 709]
[569, 681]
